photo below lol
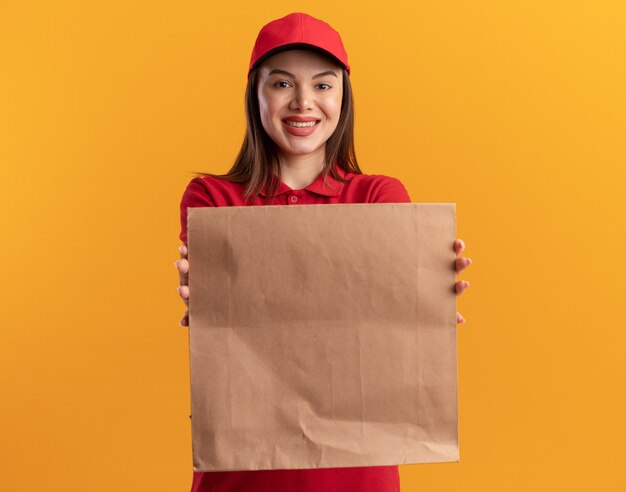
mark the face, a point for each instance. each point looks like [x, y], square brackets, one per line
[300, 94]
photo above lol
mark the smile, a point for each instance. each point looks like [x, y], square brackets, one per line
[298, 124]
[300, 128]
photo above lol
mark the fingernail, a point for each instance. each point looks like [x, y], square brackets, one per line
[180, 249]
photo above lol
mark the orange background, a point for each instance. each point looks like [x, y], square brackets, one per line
[512, 109]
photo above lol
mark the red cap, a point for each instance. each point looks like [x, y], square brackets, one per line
[297, 30]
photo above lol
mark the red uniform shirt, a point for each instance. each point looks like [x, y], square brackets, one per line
[361, 188]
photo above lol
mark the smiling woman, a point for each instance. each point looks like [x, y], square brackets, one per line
[298, 72]
[300, 95]
[298, 150]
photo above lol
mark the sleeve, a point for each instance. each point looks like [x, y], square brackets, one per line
[391, 190]
[196, 195]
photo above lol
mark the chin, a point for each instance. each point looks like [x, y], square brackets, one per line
[302, 149]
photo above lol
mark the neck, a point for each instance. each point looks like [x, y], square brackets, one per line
[299, 171]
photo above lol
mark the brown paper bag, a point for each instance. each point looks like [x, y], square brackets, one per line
[322, 335]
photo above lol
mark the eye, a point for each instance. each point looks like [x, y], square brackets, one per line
[325, 86]
[277, 84]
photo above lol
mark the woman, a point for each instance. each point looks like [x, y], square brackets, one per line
[298, 149]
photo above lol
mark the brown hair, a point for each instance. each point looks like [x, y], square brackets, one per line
[257, 161]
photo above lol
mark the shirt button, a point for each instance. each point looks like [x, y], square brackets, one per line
[294, 198]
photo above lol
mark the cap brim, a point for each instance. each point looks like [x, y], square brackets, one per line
[295, 46]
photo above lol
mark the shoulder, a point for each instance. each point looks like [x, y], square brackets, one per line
[210, 191]
[207, 191]
[380, 188]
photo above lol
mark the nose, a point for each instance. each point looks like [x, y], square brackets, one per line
[302, 99]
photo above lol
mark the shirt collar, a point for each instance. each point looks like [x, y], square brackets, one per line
[332, 187]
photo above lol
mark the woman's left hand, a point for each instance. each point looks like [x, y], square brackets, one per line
[461, 263]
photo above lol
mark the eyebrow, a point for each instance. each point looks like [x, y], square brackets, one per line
[284, 72]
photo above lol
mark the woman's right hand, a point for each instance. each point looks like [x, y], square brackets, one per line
[183, 289]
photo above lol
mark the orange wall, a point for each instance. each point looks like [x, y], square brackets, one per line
[512, 109]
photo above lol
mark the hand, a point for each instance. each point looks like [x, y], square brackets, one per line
[183, 289]
[461, 263]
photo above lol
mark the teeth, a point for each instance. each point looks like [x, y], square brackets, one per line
[300, 125]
